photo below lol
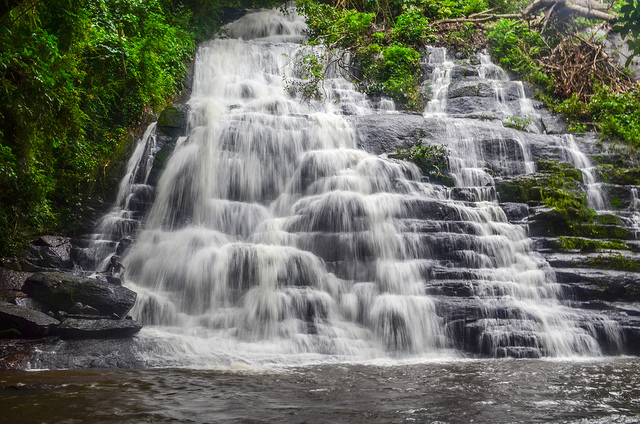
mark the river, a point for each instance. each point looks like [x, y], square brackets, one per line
[435, 391]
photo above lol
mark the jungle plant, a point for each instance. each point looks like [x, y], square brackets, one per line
[433, 160]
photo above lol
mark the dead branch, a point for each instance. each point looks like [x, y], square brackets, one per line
[586, 8]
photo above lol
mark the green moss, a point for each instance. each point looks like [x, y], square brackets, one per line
[608, 220]
[615, 262]
[601, 231]
[620, 175]
[615, 203]
[588, 245]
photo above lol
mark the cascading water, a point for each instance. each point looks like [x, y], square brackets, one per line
[596, 197]
[272, 238]
[116, 230]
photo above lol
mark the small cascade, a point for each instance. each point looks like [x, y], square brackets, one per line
[115, 231]
[596, 197]
[440, 80]
[273, 239]
[460, 133]
[517, 308]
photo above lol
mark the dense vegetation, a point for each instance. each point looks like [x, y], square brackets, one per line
[77, 79]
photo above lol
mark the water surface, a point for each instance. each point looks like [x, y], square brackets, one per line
[457, 391]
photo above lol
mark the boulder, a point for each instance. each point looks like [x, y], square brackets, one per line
[173, 120]
[73, 328]
[10, 284]
[62, 291]
[18, 321]
[48, 253]
[515, 212]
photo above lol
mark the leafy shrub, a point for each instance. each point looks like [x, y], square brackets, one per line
[515, 45]
[411, 27]
[432, 160]
[615, 114]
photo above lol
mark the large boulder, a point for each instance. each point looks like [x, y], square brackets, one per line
[173, 120]
[18, 321]
[48, 253]
[73, 328]
[62, 291]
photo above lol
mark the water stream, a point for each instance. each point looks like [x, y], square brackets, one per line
[273, 240]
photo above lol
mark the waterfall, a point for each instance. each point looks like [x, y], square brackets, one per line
[271, 237]
[596, 198]
[116, 229]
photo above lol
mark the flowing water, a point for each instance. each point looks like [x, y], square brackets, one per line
[444, 392]
[273, 239]
[283, 275]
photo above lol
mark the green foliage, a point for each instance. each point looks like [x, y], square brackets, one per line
[516, 122]
[629, 26]
[387, 62]
[615, 114]
[336, 28]
[442, 9]
[433, 160]
[412, 27]
[311, 72]
[589, 245]
[398, 71]
[516, 46]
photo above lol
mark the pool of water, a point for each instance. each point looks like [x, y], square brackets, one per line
[440, 391]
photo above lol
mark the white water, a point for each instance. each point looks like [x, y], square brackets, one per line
[596, 197]
[272, 239]
[123, 219]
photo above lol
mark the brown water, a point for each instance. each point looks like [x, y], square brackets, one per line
[462, 391]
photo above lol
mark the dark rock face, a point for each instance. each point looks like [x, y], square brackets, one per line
[173, 120]
[161, 158]
[62, 291]
[11, 283]
[73, 328]
[18, 321]
[387, 133]
[48, 253]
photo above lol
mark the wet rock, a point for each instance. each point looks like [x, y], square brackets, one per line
[73, 328]
[515, 212]
[11, 283]
[470, 89]
[62, 291]
[161, 158]
[123, 245]
[18, 321]
[553, 123]
[48, 253]
[599, 284]
[387, 133]
[173, 120]
[79, 308]
[11, 263]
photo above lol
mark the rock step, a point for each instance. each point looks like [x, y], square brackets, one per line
[62, 292]
[73, 328]
[620, 260]
[18, 321]
[598, 284]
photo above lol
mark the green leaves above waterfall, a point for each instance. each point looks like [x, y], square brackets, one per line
[78, 79]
